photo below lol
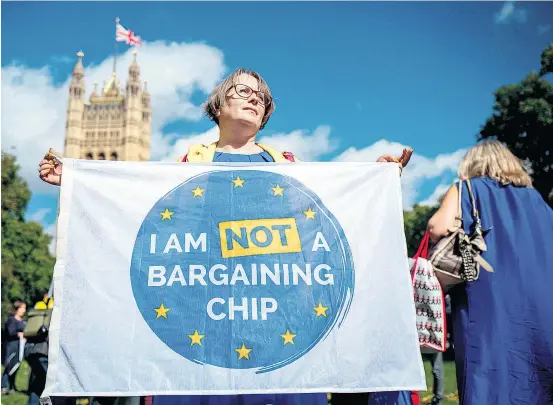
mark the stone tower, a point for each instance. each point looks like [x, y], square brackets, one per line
[112, 125]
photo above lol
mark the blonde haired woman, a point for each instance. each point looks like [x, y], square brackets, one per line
[503, 321]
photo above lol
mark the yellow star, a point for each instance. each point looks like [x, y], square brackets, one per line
[198, 192]
[288, 337]
[166, 214]
[278, 190]
[238, 182]
[196, 338]
[162, 311]
[309, 214]
[243, 352]
[320, 310]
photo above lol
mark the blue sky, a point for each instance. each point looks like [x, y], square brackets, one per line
[351, 80]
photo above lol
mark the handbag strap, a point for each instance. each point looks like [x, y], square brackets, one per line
[459, 217]
[422, 252]
[475, 214]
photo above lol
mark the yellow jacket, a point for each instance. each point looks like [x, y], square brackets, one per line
[43, 305]
[203, 153]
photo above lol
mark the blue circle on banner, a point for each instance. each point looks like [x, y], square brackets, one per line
[242, 269]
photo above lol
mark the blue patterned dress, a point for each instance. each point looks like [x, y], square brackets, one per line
[503, 322]
[257, 399]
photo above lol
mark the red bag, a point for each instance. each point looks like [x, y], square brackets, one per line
[429, 301]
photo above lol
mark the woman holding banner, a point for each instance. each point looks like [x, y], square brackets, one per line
[240, 105]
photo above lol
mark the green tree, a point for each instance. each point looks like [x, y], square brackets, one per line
[415, 223]
[523, 120]
[27, 264]
[547, 61]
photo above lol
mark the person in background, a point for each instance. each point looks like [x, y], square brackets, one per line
[13, 334]
[36, 354]
[438, 385]
[502, 322]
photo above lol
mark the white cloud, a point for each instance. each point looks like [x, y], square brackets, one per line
[34, 109]
[307, 147]
[370, 153]
[420, 168]
[33, 118]
[438, 192]
[510, 12]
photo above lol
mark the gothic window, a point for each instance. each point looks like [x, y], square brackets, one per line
[101, 156]
[114, 156]
[89, 156]
[145, 116]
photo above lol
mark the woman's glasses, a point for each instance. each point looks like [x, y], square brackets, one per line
[244, 91]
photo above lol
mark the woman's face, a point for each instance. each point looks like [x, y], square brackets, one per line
[21, 310]
[240, 108]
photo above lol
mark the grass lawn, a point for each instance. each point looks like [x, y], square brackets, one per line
[22, 379]
[21, 382]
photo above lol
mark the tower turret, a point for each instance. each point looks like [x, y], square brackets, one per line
[75, 108]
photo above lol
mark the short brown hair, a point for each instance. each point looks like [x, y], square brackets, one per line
[217, 97]
[492, 159]
[17, 305]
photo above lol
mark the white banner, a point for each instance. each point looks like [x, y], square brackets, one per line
[231, 278]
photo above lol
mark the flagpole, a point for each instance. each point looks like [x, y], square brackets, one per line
[115, 46]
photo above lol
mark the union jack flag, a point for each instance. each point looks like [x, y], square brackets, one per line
[124, 35]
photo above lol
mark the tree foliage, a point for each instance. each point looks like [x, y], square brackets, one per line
[415, 223]
[523, 120]
[27, 265]
[547, 61]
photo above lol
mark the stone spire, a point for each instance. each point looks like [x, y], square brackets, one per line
[78, 70]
